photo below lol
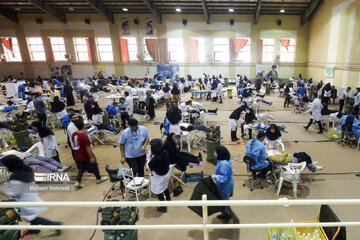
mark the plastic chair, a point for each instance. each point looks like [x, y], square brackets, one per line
[133, 184]
[249, 162]
[40, 148]
[278, 144]
[4, 175]
[185, 137]
[114, 178]
[291, 173]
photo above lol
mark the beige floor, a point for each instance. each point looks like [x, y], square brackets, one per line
[334, 158]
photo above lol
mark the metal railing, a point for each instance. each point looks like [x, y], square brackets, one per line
[205, 226]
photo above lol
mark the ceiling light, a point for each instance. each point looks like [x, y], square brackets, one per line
[231, 10]
[71, 9]
[282, 10]
[178, 9]
[17, 9]
[125, 9]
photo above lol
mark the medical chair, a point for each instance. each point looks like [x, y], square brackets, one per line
[291, 173]
[253, 179]
[114, 178]
[347, 136]
[99, 135]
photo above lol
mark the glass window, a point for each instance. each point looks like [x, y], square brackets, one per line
[81, 49]
[244, 55]
[58, 48]
[268, 49]
[36, 48]
[176, 49]
[105, 49]
[132, 47]
[201, 49]
[221, 49]
[288, 54]
[147, 56]
[15, 55]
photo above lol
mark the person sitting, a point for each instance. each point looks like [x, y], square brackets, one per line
[326, 111]
[49, 164]
[111, 109]
[10, 107]
[256, 150]
[159, 166]
[351, 122]
[301, 91]
[93, 111]
[223, 176]
[56, 82]
[181, 159]
[58, 107]
[273, 137]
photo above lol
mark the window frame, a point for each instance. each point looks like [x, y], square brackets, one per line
[31, 51]
[77, 51]
[216, 51]
[137, 50]
[98, 46]
[248, 44]
[287, 52]
[268, 45]
[58, 51]
[17, 52]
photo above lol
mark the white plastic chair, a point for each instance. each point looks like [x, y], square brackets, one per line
[40, 149]
[291, 173]
[172, 175]
[185, 137]
[4, 175]
[279, 143]
[131, 186]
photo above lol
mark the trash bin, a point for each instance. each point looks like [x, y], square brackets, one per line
[229, 93]
[23, 139]
[210, 149]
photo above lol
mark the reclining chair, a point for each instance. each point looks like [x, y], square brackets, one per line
[253, 179]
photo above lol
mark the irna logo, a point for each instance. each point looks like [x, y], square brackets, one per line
[51, 177]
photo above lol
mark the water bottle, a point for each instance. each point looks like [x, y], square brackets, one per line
[274, 236]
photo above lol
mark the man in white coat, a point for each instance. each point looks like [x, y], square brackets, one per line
[315, 113]
[129, 104]
[141, 92]
[220, 92]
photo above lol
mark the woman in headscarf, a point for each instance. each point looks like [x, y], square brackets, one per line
[223, 176]
[181, 159]
[68, 92]
[167, 92]
[150, 105]
[58, 107]
[21, 179]
[272, 137]
[176, 94]
[48, 140]
[159, 166]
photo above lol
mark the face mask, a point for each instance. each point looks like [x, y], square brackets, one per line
[215, 155]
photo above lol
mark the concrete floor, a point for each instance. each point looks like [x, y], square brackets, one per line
[326, 185]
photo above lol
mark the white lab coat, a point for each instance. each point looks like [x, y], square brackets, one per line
[46, 86]
[357, 99]
[129, 105]
[141, 94]
[315, 109]
[220, 90]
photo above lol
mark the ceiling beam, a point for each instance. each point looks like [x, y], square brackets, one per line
[204, 8]
[153, 10]
[309, 10]
[9, 14]
[49, 10]
[101, 9]
[257, 14]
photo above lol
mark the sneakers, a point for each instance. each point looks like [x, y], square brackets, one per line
[320, 132]
[200, 157]
[223, 216]
[162, 209]
[305, 128]
[319, 168]
[64, 169]
[102, 179]
[78, 185]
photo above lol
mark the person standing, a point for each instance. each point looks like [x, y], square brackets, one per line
[84, 157]
[150, 105]
[287, 96]
[167, 92]
[133, 142]
[357, 102]
[343, 96]
[123, 114]
[176, 94]
[40, 109]
[129, 104]
[315, 110]
[58, 108]
[234, 121]
[220, 91]
[46, 87]
[68, 91]
[141, 92]
[333, 94]
[70, 129]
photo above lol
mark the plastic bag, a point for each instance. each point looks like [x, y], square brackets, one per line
[333, 133]
[279, 157]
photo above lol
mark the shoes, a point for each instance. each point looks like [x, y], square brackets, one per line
[319, 168]
[305, 128]
[320, 132]
[102, 179]
[216, 110]
[78, 185]
[58, 232]
[224, 216]
[270, 103]
[30, 232]
[162, 209]
[64, 169]
[200, 157]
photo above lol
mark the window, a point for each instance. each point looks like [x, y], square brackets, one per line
[147, 56]
[105, 49]
[16, 51]
[176, 49]
[287, 54]
[36, 49]
[132, 47]
[268, 49]
[201, 49]
[58, 48]
[245, 53]
[81, 49]
[221, 49]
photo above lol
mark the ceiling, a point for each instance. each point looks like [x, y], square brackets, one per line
[157, 7]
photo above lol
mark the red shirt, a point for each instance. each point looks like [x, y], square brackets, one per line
[81, 141]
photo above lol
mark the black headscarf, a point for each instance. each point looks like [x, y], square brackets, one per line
[166, 88]
[57, 105]
[170, 146]
[19, 171]
[223, 153]
[160, 161]
[275, 135]
[175, 90]
[42, 130]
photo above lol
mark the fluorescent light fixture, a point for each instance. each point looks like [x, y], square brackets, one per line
[125, 9]
[71, 9]
[282, 10]
[231, 10]
[178, 9]
[17, 9]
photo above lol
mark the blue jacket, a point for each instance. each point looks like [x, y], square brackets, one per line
[257, 150]
[65, 121]
[166, 126]
[355, 126]
[301, 92]
[155, 82]
[57, 82]
[112, 111]
[9, 109]
[224, 180]
[21, 91]
[120, 81]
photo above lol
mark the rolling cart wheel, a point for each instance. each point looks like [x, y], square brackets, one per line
[108, 197]
[251, 189]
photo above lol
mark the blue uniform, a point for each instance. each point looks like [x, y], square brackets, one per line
[224, 179]
[112, 111]
[65, 120]
[9, 109]
[120, 81]
[57, 82]
[301, 92]
[21, 91]
[355, 126]
[133, 141]
[257, 150]
[155, 82]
